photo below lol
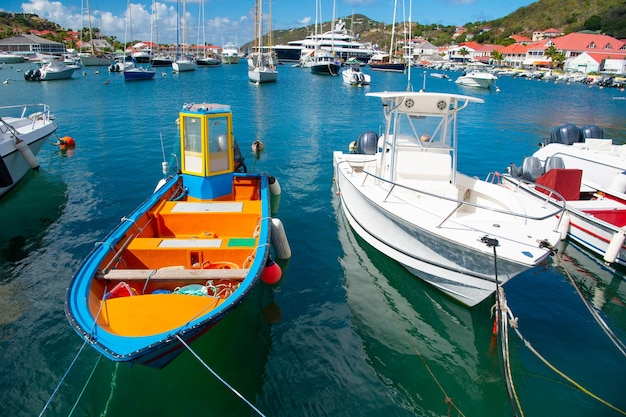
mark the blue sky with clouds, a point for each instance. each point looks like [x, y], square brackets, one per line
[232, 20]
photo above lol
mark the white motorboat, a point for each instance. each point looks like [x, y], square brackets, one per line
[53, 70]
[184, 65]
[23, 131]
[477, 78]
[230, 54]
[588, 172]
[402, 194]
[354, 76]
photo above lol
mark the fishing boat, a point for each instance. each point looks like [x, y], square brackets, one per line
[24, 130]
[137, 73]
[186, 257]
[401, 192]
[49, 71]
[354, 76]
[477, 78]
[588, 172]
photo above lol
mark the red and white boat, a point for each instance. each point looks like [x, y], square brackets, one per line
[589, 173]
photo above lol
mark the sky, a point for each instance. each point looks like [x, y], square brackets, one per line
[232, 20]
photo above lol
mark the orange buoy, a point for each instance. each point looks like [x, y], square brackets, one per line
[67, 142]
[272, 272]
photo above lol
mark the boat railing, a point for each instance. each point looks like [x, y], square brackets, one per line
[550, 194]
[37, 110]
[461, 203]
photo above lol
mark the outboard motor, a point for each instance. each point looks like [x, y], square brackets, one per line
[28, 75]
[565, 134]
[240, 165]
[367, 143]
[591, 132]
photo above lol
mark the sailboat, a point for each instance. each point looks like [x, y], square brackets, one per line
[182, 62]
[92, 58]
[133, 72]
[323, 61]
[262, 63]
[203, 58]
[385, 62]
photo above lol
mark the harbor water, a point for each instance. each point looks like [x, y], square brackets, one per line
[347, 331]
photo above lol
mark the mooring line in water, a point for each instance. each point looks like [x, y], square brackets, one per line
[556, 370]
[503, 334]
[219, 378]
[54, 393]
[85, 386]
[594, 312]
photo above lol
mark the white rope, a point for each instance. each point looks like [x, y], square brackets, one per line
[219, 378]
[62, 379]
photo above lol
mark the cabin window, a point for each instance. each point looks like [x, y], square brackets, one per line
[192, 144]
[219, 145]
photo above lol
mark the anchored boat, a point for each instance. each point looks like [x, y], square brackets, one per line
[588, 172]
[401, 192]
[186, 257]
[23, 132]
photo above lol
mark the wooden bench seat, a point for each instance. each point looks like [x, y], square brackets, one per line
[174, 274]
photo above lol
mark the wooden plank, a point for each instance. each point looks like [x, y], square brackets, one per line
[175, 274]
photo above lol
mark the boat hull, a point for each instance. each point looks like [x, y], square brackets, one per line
[260, 75]
[325, 68]
[138, 74]
[390, 67]
[34, 133]
[416, 235]
[183, 66]
[95, 61]
[586, 225]
[143, 324]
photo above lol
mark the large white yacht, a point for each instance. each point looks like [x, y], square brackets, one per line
[341, 40]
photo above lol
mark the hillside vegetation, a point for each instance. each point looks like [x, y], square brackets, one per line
[602, 16]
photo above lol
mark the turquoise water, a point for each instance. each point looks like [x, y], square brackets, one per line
[347, 332]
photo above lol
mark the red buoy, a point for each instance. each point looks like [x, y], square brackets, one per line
[67, 142]
[272, 272]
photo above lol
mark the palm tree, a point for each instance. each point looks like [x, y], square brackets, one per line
[559, 59]
[551, 52]
[497, 56]
[463, 52]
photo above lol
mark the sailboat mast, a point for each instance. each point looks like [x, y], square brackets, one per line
[393, 30]
[93, 50]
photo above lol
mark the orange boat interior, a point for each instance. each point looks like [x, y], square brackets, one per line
[176, 248]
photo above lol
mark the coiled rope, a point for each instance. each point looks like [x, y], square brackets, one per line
[219, 378]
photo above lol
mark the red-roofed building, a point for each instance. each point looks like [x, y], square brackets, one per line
[514, 55]
[612, 63]
[522, 40]
[546, 34]
[575, 44]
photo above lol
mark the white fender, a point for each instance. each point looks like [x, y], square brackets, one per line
[274, 186]
[27, 154]
[564, 225]
[614, 247]
[279, 240]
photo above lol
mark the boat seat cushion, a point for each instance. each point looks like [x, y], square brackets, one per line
[428, 166]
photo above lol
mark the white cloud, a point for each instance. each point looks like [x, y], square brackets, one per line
[218, 29]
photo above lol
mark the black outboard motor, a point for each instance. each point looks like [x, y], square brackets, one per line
[28, 75]
[240, 165]
[367, 143]
[591, 132]
[565, 134]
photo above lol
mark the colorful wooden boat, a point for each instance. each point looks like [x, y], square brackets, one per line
[185, 258]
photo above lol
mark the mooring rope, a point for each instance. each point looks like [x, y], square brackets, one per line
[85, 386]
[54, 393]
[594, 312]
[556, 370]
[219, 378]
[502, 331]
